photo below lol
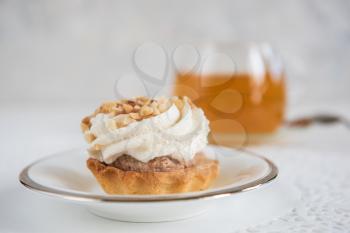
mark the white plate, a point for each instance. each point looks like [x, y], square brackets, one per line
[64, 175]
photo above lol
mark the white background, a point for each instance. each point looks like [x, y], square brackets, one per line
[75, 50]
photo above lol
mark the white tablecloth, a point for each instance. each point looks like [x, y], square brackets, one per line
[316, 161]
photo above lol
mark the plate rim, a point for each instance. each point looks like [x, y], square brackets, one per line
[29, 183]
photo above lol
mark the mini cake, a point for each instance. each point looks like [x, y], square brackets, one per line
[149, 146]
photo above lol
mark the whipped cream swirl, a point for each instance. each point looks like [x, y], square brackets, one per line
[179, 133]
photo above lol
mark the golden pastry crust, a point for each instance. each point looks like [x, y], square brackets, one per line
[195, 178]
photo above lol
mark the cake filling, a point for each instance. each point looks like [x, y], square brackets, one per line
[158, 164]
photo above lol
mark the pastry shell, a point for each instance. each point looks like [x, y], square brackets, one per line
[197, 177]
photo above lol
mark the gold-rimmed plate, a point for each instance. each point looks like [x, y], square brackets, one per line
[64, 175]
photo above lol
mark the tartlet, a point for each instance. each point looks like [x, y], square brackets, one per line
[149, 146]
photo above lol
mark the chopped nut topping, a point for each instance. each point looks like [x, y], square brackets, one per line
[131, 102]
[86, 120]
[117, 110]
[156, 111]
[89, 137]
[137, 108]
[128, 108]
[127, 111]
[97, 147]
[146, 111]
[107, 107]
[85, 124]
[123, 120]
[154, 104]
[84, 127]
[135, 115]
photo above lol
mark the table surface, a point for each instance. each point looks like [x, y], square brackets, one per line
[314, 160]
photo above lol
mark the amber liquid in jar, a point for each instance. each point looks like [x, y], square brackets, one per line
[238, 103]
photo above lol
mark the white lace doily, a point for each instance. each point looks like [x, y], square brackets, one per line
[324, 182]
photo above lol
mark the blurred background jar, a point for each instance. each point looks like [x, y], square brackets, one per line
[240, 86]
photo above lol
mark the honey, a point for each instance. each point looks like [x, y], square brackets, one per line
[237, 103]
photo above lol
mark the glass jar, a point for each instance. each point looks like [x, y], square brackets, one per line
[240, 86]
